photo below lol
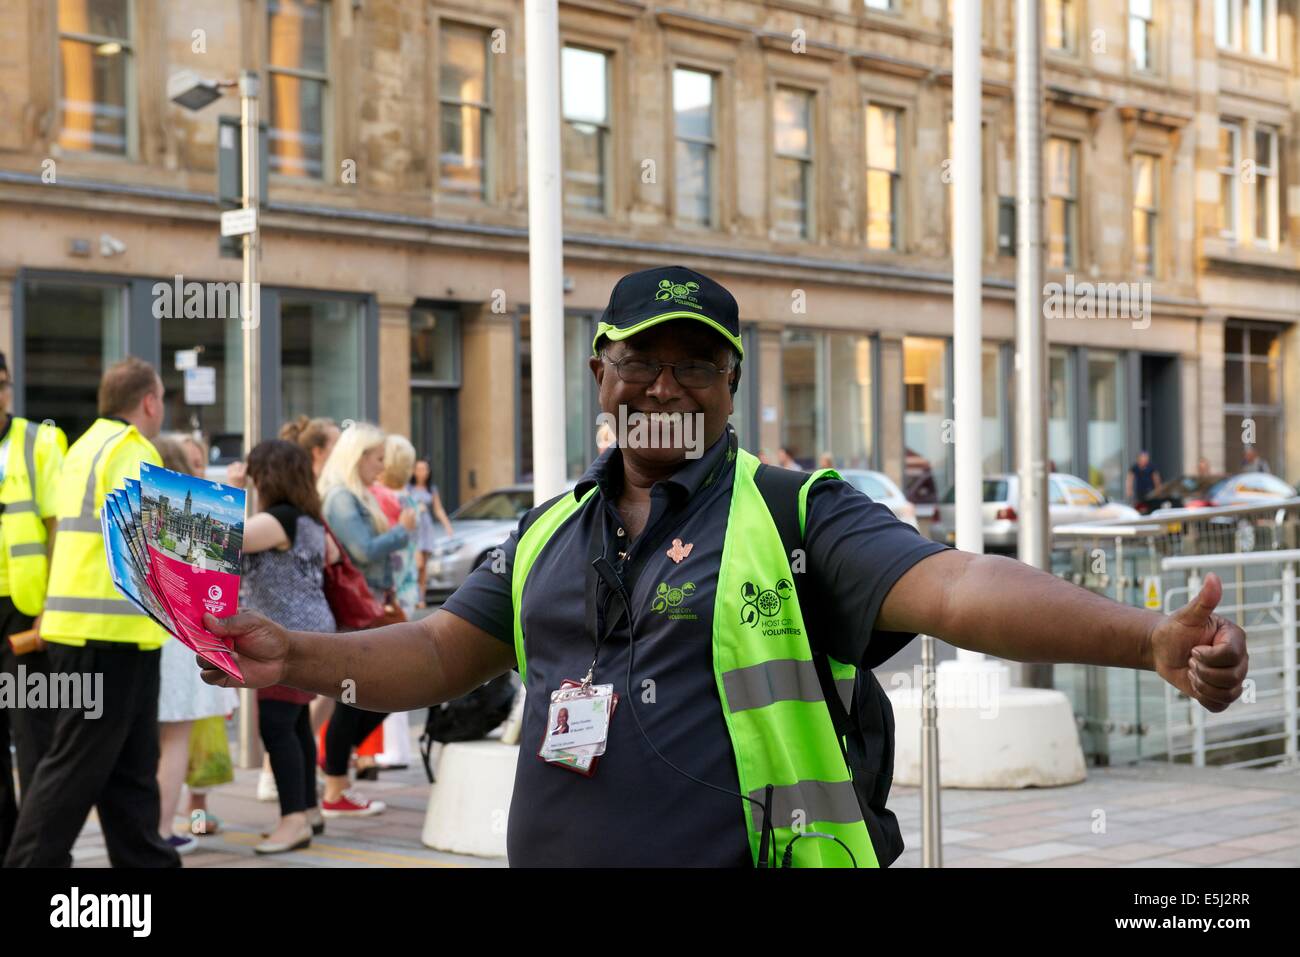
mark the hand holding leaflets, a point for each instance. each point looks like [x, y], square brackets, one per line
[174, 544]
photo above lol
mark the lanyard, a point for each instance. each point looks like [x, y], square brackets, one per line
[599, 569]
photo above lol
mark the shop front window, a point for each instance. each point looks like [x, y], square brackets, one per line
[926, 472]
[1106, 466]
[993, 403]
[850, 406]
[211, 405]
[71, 333]
[321, 358]
[803, 378]
[1252, 395]
[1060, 415]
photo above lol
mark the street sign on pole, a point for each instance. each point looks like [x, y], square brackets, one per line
[239, 222]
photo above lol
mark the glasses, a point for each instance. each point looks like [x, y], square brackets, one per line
[692, 374]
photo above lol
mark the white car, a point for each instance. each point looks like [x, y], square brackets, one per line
[1069, 499]
[879, 487]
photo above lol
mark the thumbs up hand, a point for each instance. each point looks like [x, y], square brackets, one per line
[1200, 653]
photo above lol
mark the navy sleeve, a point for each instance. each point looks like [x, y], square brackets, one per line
[857, 549]
[483, 599]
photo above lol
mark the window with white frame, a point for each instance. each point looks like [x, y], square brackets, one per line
[694, 114]
[297, 65]
[1060, 25]
[584, 81]
[1062, 203]
[1146, 210]
[1229, 164]
[1249, 25]
[465, 111]
[886, 5]
[792, 174]
[884, 176]
[1142, 35]
[95, 76]
[1266, 191]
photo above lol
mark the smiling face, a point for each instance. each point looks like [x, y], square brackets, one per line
[678, 340]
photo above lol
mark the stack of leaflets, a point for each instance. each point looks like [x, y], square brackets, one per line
[174, 544]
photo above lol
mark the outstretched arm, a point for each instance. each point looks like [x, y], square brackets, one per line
[400, 667]
[1004, 608]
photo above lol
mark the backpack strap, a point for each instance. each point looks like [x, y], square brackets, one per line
[780, 489]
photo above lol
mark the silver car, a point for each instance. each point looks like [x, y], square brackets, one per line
[477, 527]
[1069, 499]
[879, 487]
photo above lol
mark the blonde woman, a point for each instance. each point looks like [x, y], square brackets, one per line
[358, 522]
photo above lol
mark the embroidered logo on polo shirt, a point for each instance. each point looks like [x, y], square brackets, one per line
[763, 605]
[668, 601]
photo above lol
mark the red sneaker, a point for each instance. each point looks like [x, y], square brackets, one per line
[352, 804]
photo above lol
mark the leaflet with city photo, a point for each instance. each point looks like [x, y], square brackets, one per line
[174, 550]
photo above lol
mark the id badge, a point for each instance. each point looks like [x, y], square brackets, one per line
[577, 725]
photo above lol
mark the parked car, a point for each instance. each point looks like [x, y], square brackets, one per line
[1246, 488]
[879, 487]
[1186, 491]
[478, 527]
[1069, 499]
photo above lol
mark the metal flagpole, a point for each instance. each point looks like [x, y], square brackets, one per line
[1031, 352]
[545, 245]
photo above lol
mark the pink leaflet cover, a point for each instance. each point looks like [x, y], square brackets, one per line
[189, 594]
[193, 530]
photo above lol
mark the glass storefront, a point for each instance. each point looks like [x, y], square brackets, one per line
[321, 356]
[926, 404]
[993, 403]
[1252, 395]
[219, 344]
[1060, 415]
[1106, 402]
[72, 331]
[828, 395]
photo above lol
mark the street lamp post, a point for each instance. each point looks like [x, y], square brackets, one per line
[194, 93]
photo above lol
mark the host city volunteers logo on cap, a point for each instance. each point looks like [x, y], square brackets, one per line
[683, 292]
[764, 605]
[668, 601]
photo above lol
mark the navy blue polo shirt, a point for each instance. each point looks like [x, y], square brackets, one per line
[636, 810]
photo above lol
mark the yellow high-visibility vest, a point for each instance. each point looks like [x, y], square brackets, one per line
[35, 453]
[82, 602]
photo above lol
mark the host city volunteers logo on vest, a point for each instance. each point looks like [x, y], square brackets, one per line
[682, 292]
[668, 601]
[763, 606]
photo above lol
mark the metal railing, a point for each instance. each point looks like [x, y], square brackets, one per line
[1160, 561]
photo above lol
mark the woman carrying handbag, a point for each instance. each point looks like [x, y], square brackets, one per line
[359, 526]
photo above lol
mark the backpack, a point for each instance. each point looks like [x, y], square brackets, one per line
[866, 737]
[469, 718]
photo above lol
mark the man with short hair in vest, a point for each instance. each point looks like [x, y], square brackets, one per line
[106, 759]
[30, 456]
[734, 608]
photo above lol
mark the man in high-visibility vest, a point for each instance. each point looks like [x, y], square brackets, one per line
[732, 610]
[30, 456]
[105, 758]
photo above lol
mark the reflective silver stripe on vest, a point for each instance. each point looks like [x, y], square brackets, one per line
[91, 606]
[16, 508]
[835, 802]
[79, 524]
[31, 548]
[760, 685]
[86, 521]
[24, 505]
[784, 680]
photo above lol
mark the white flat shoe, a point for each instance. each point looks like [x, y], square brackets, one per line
[281, 847]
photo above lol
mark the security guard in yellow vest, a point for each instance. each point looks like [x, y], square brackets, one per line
[104, 755]
[30, 456]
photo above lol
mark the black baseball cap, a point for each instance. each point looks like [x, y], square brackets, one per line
[644, 299]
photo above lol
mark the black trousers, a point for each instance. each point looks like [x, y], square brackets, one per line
[285, 728]
[348, 727]
[31, 729]
[109, 763]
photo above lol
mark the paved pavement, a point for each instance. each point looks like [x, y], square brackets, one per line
[1148, 816]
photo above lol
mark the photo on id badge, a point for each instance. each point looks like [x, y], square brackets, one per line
[576, 722]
